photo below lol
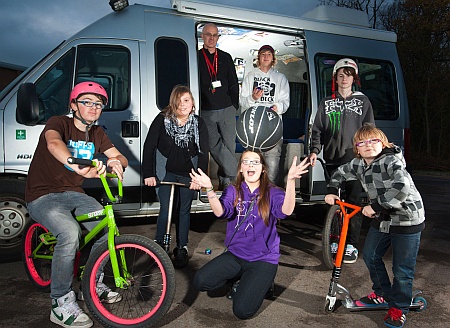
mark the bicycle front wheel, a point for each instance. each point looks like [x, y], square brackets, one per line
[37, 261]
[331, 234]
[150, 283]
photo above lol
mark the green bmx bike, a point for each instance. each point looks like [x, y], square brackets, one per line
[133, 265]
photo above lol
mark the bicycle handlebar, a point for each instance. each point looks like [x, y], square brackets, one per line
[80, 161]
[88, 162]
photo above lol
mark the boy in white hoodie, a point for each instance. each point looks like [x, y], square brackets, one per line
[267, 87]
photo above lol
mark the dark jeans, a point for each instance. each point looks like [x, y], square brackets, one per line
[405, 247]
[353, 190]
[255, 280]
[184, 195]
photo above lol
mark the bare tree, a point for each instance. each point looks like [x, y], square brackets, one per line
[370, 7]
[423, 28]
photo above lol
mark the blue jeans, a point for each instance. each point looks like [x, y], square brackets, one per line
[54, 211]
[255, 280]
[404, 254]
[185, 196]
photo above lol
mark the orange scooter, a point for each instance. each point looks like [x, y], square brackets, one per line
[418, 303]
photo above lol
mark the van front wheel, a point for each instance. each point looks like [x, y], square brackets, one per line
[13, 218]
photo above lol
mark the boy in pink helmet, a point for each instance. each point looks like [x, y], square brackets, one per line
[53, 193]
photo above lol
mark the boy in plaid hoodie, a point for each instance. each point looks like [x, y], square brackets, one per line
[398, 218]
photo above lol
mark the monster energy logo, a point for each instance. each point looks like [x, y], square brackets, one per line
[335, 121]
[334, 109]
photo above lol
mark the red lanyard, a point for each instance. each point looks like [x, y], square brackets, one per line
[212, 69]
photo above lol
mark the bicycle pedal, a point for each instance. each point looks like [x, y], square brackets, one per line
[47, 238]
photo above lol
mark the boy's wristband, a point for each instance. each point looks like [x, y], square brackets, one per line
[210, 189]
[113, 159]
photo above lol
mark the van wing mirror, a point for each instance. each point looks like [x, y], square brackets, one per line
[27, 111]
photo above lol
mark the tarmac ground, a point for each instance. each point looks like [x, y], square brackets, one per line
[301, 284]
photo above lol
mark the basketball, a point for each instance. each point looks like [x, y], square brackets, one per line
[259, 128]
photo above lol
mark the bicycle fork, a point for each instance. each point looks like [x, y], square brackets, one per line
[121, 280]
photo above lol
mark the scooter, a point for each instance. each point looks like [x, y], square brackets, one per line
[418, 302]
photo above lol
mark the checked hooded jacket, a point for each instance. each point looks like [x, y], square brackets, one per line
[389, 187]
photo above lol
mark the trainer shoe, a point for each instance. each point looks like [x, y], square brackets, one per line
[334, 248]
[395, 318]
[181, 257]
[269, 294]
[66, 312]
[373, 299]
[105, 293]
[351, 254]
[233, 290]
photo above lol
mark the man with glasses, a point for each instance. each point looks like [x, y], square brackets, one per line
[219, 102]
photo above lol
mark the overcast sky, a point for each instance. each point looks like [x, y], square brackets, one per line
[29, 29]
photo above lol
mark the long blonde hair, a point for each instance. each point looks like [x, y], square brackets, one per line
[174, 101]
[263, 199]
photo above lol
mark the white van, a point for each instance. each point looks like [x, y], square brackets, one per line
[140, 53]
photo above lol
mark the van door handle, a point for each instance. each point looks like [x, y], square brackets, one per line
[130, 129]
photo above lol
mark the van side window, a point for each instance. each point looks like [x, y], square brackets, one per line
[172, 67]
[107, 65]
[378, 83]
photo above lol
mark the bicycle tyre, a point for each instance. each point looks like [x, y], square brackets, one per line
[151, 287]
[38, 270]
[331, 234]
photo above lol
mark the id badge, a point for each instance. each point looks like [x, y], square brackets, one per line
[384, 226]
[216, 84]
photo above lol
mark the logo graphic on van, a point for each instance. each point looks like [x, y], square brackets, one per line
[21, 134]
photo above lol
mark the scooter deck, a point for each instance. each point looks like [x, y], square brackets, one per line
[416, 304]
[359, 306]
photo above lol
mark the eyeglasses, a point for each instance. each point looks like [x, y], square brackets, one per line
[209, 35]
[89, 103]
[251, 162]
[367, 142]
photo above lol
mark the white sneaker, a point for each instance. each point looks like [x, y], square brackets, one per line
[351, 254]
[105, 293]
[66, 312]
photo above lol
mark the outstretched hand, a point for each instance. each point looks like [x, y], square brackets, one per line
[200, 179]
[296, 171]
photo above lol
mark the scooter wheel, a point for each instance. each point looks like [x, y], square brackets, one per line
[328, 308]
[422, 302]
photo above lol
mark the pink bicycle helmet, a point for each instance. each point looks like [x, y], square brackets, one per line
[88, 87]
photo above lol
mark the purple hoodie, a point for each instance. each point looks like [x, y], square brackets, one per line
[254, 241]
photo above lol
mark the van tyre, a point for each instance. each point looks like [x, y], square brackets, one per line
[13, 218]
